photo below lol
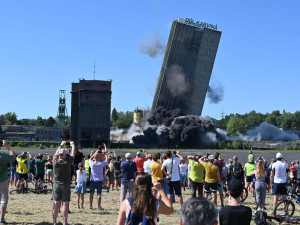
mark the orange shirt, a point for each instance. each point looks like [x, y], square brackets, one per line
[140, 163]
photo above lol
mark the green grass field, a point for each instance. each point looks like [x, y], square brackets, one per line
[36, 209]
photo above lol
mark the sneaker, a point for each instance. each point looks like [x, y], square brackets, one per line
[100, 208]
[3, 221]
[91, 207]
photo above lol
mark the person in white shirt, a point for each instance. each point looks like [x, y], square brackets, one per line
[147, 164]
[182, 173]
[278, 178]
[171, 169]
[80, 188]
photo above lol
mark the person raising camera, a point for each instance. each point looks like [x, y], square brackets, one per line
[61, 180]
[22, 169]
[171, 169]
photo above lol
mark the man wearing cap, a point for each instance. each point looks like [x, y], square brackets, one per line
[61, 180]
[139, 161]
[278, 178]
[4, 160]
[235, 213]
[212, 177]
[128, 169]
[249, 167]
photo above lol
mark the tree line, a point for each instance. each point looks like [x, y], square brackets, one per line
[11, 118]
[233, 123]
[237, 123]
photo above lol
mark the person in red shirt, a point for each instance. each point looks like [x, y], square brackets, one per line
[293, 175]
[139, 161]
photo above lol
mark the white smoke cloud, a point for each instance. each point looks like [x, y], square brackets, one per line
[176, 81]
[119, 135]
[152, 45]
[264, 132]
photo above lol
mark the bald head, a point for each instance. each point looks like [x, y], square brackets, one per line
[235, 158]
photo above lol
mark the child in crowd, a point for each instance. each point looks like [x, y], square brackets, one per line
[80, 188]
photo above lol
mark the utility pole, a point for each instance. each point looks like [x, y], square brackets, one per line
[222, 114]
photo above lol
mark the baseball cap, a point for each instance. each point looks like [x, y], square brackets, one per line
[138, 153]
[250, 158]
[62, 151]
[127, 155]
[279, 155]
[235, 185]
[211, 157]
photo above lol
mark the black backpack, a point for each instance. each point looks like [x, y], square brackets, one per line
[260, 217]
[237, 171]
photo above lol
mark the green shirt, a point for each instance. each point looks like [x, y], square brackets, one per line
[40, 166]
[249, 168]
[62, 170]
[196, 173]
[4, 160]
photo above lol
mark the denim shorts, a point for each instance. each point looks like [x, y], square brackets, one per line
[80, 188]
[13, 173]
[96, 185]
[182, 178]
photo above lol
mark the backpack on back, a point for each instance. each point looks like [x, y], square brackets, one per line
[237, 171]
[133, 219]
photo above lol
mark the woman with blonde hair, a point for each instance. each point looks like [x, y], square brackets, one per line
[260, 184]
[143, 205]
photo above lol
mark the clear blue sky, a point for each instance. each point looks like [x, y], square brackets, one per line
[47, 45]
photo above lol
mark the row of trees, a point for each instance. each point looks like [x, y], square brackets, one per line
[234, 123]
[237, 123]
[11, 118]
[121, 119]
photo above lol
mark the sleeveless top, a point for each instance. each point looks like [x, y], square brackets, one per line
[260, 178]
[128, 208]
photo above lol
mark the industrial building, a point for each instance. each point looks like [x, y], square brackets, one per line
[187, 66]
[90, 112]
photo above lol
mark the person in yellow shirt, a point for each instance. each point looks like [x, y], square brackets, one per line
[155, 169]
[212, 177]
[22, 169]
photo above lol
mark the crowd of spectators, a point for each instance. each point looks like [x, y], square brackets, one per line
[151, 181]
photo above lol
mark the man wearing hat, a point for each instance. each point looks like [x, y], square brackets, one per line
[139, 160]
[278, 178]
[128, 169]
[248, 168]
[235, 213]
[61, 180]
[212, 177]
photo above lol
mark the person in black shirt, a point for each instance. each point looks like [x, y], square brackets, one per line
[77, 159]
[235, 213]
[117, 170]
